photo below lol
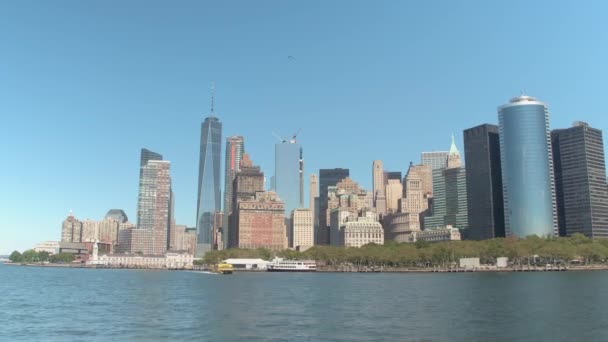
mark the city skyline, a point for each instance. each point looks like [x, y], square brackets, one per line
[406, 98]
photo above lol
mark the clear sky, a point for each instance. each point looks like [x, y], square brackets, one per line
[85, 84]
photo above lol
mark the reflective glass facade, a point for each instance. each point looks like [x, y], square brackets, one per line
[209, 194]
[287, 175]
[527, 168]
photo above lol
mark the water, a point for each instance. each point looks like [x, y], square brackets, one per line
[43, 304]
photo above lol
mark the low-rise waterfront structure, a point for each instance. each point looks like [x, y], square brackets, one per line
[248, 264]
[436, 235]
[51, 247]
[171, 260]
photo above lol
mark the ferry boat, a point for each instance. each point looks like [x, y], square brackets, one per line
[282, 265]
[224, 268]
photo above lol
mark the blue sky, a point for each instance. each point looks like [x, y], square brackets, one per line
[85, 84]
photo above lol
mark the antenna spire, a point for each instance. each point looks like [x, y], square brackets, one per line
[212, 98]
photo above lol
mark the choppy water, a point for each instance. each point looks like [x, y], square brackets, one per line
[42, 304]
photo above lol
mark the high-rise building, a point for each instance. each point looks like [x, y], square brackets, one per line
[416, 190]
[302, 229]
[118, 215]
[154, 209]
[313, 201]
[453, 156]
[145, 156]
[379, 181]
[527, 168]
[436, 159]
[327, 178]
[449, 207]
[248, 181]
[71, 229]
[580, 179]
[235, 147]
[388, 175]
[287, 174]
[209, 194]
[261, 222]
[394, 192]
[484, 182]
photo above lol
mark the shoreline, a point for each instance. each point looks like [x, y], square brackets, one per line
[326, 269]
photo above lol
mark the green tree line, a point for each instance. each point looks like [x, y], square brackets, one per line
[531, 250]
[31, 256]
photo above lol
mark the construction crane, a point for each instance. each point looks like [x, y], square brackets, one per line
[294, 136]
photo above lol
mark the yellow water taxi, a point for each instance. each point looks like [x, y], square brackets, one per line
[224, 268]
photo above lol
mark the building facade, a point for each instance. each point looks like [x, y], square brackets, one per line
[399, 226]
[155, 202]
[209, 194]
[327, 178]
[302, 229]
[436, 160]
[118, 215]
[248, 181]
[527, 168]
[449, 205]
[363, 231]
[394, 192]
[261, 222]
[580, 179]
[379, 180]
[71, 229]
[484, 182]
[235, 147]
[287, 174]
[437, 235]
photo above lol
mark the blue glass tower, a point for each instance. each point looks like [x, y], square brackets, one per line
[527, 168]
[287, 174]
[209, 194]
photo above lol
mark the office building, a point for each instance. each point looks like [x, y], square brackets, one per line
[118, 215]
[287, 174]
[394, 192]
[261, 222]
[302, 229]
[327, 178]
[362, 231]
[580, 179]
[399, 226]
[379, 180]
[453, 156]
[484, 182]
[417, 188]
[154, 206]
[436, 160]
[248, 181]
[235, 147]
[388, 175]
[449, 205]
[527, 168]
[448, 233]
[209, 194]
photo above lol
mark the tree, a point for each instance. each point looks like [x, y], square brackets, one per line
[30, 256]
[15, 257]
[62, 258]
[43, 256]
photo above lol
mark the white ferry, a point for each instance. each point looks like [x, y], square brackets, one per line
[282, 265]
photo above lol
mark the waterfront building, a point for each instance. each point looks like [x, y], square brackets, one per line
[51, 247]
[288, 174]
[209, 194]
[484, 182]
[398, 227]
[327, 178]
[362, 231]
[394, 192]
[248, 181]
[436, 160]
[261, 222]
[154, 210]
[527, 168]
[580, 179]
[170, 260]
[447, 233]
[118, 215]
[302, 229]
[235, 147]
[379, 181]
[449, 206]
[71, 229]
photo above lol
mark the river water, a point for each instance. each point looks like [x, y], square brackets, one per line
[58, 304]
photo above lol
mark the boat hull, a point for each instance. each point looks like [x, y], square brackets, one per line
[289, 270]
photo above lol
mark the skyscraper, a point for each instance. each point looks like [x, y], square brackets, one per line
[118, 215]
[327, 178]
[580, 179]
[313, 201]
[71, 229]
[154, 206]
[484, 182]
[394, 192]
[379, 181]
[449, 199]
[453, 156]
[248, 181]
[235, 147]
[287, 174]
[436, 159]
[209, 194]
[527, 168]
[302, 228]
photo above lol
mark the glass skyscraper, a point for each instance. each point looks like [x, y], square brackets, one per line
[287, 174]
[527, 168]
[437, 160]
[235, 147]
[209, 194]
